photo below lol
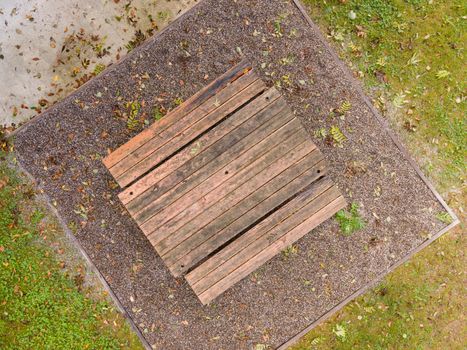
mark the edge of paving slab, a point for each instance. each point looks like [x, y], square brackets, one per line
[384, 124]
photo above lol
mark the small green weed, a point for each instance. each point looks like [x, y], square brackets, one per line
[98, 69]
[290, 251]
[157, 113]
[337, 136]
[163, 15]
[350, 221]
[277, 24]
[134, 108]
[287, 61]
[321, 133]
[344, 107]
[178, 101]
[277, 28]
[137, 40]
[340, 332]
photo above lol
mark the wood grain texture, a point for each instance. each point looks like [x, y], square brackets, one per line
[149, 158]
[249, 257]
[202, 147]
[224, 182]
[193, 102]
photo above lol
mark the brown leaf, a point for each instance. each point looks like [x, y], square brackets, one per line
[381, 76]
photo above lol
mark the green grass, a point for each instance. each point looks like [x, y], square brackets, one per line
[410, 57]
[400, 48]
[43, 304]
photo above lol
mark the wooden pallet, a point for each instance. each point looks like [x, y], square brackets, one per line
[224, 182]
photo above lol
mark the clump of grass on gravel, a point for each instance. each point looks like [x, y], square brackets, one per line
[410, 57]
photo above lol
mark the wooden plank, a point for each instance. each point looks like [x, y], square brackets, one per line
[192, 103]
[232, 147]
[266, 254]
[207, 147]
[261, 229]
[238, 218]
[230, 176]
[188, 135]
[218, 201]
[232, 160]
[245, 268]
[215, 103]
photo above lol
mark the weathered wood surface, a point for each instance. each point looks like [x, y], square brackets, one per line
[264, 241]
[132, 159]
[224, 182]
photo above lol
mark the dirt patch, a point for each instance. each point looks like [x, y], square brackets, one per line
[63, 150]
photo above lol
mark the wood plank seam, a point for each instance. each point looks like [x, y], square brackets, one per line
[207, 142]
[155, 157]
[231, 75]
[194, 212]
[234, 196]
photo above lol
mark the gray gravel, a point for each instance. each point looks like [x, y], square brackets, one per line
[62, 149]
